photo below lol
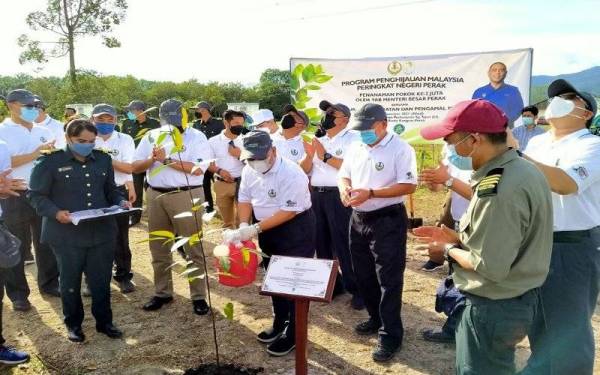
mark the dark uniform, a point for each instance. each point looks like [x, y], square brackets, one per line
[210, 128]
[132, 128]
[60, 182]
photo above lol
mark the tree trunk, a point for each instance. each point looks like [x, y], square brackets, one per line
[72, 73]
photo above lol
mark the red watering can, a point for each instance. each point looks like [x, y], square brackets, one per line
[236, 263]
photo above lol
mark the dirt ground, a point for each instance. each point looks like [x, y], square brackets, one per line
[173, 339]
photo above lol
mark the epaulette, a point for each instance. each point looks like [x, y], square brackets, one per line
[50, 151]
[488, 186]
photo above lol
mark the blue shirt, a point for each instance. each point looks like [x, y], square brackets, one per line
[523, 135]
[507, 97]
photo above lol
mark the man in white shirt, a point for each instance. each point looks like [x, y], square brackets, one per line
[274, 194]
[174, 174]
[323, 159]
[562, 341]
[25, 142]
[373, 180]
[120, 147]
[45, 120]
[288, 141]
[264, 120]
[227, 169]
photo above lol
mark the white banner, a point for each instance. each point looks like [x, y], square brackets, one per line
[417, 90]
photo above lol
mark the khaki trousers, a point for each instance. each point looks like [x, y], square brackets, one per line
[162, 207]
[226, 201]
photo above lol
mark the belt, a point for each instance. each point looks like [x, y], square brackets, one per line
[237, 179]
[385, 211]
[572, 236]
[325, 189]
[170, 190]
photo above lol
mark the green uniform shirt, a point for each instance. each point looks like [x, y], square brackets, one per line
[507, 229]
[133, 128]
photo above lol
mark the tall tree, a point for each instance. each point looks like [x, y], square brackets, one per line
[274, 90]
[69, 20]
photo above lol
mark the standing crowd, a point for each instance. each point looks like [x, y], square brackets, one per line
[521, 229]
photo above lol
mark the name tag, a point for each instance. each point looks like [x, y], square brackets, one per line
[64, 169]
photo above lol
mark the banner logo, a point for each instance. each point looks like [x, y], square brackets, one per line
[394, 68]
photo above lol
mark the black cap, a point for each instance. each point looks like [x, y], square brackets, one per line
[560, 86]
[170, 112]
[290, 108]
[200, 105]
[22, 96]
[324, 105]
[256, 145]
[136, 105]
[367, 115]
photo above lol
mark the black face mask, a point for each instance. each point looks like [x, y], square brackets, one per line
[288, 122]
[328, 122]
[197, 115]
[236, 129]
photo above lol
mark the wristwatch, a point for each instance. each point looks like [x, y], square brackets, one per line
[449, 182]
[447, 249]
[326, 156]
[167, 161]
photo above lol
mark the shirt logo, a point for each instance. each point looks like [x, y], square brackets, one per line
[290, 203]
[151, 138]
[409, 175]
[581, 172]
[43, 139]
[272, 193]
[483, 95]
[294, 152]
[113, 152]
[338, 151]
[379, 166]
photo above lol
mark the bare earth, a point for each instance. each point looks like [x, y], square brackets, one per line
[174, 339]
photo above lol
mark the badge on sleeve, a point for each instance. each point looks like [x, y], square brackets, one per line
[488, 186]
[581, 172]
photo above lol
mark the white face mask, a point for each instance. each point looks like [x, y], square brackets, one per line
[560, 107]
[261, 166]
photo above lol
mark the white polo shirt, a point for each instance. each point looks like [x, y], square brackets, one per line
[578, 155]
[392, 161]
[323, 174]
[219, 148]
[4, 160]
[121, 148]
[57, 128]
[284, 187]
[21, 141]
[292, 149]
[196, 150]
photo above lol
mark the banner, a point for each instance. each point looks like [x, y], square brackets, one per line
[417, 90]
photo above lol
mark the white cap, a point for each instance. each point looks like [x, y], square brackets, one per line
[261, 116]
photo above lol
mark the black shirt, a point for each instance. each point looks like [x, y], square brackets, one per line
[210, 128]
[133, 128]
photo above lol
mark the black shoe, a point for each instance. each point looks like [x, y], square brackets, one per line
[269, 335]
[22, 305]
[438, 335]
[110, 330]
[431, 266]
[200, 307]
[126, 286]
[357, 302]
[156, 303]
[366, 328]
[338, 290]
[75, 334]
[384, 352]
[53, 292]
[282, 346]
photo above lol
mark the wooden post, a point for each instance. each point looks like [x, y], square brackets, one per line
[302, 306]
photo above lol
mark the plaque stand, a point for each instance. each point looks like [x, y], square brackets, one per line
[302, 304]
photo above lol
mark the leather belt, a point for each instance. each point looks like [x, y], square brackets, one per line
[170, 190]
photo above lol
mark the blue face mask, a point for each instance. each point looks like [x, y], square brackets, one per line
[131, 116]
[105, 128]
[29, 114]
[82, 149]
[464, 163]
[368, 136]
[527, 121]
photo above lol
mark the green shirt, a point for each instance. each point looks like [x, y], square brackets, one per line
[133, 128]
[507, 229]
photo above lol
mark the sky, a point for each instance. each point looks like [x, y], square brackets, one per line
[235, 40]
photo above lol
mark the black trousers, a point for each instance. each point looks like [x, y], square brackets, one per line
[96, 262]
[22, 221]
[122, 249]
[207, 186]
[138, 185]
[2, 272]
[378, 247]
[293, 238]
[333, 223]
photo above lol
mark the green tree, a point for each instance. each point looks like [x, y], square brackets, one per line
[69, 20]
[274, 90]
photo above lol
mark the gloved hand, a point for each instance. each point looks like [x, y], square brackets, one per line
[243, 233]
[247, 232]
[231, 236]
